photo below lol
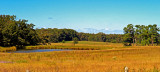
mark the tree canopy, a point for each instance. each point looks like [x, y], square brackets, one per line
[141, 34]
[16, 32]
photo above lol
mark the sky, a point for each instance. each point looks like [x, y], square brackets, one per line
[89, 16]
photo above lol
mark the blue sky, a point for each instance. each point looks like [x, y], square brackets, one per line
[109, 16]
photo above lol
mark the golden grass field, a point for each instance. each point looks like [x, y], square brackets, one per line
[112, 57]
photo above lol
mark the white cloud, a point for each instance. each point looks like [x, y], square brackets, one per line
[106, 28]
[45, 27]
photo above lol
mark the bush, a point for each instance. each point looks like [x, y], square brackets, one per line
[75, 40]
[127, 44]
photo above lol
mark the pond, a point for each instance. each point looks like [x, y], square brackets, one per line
[40, 50]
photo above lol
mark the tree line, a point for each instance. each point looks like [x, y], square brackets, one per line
[55, 35]
[141, 35]
[17, 32]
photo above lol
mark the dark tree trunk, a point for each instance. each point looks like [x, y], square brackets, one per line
[152, 40]
[133, 41]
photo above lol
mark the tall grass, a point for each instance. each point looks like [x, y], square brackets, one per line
[63, 47]
[6, 49]
[144, 59]
[109, 58]
[82, 45]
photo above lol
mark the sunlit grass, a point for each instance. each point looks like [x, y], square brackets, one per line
[5, 49]
[137, 59]
[81, 61]
[82, 45]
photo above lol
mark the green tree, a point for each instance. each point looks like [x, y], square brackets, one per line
[16, 32]
[144, 35]
[75, 40]
[153, 32]
[101, 37]
[129, 34]
[63, 41]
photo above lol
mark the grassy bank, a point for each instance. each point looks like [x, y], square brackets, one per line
[82, 45]
[6, 49]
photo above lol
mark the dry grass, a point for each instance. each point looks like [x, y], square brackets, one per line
[5, 49]
[138, 59]
[82, 45]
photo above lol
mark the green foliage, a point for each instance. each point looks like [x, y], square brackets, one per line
[16, 32]
[19, 33]
[126, 44]
[83, 36]
[101, 37]
[114, 38]
[141, 34]
[129, 33]
[143, 43]
[63, 41]
[56, 35]
[75, 40]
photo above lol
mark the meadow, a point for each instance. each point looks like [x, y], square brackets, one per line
[109, 57]
[82, 45]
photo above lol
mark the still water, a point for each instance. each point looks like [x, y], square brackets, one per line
[40, 50]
